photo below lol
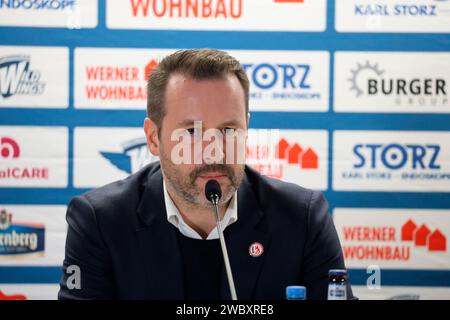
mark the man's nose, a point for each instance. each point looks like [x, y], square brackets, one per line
[213, 148]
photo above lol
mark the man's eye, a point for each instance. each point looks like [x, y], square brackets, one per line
[228, 130]
[191, 130]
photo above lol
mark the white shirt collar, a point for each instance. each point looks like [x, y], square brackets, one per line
[175, 218]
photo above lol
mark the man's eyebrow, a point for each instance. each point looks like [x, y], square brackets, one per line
[186, 122]
[231, 123]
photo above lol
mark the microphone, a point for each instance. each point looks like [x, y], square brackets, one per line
[213, 193]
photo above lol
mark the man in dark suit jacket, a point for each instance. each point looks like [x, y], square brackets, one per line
[153, 236]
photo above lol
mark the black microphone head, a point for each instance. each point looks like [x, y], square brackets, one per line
[213, 190]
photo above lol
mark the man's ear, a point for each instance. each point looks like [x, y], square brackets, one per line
[248, 126]
[151, 133]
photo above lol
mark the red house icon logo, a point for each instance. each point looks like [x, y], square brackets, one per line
[420, 235]
[408, 230]
[296, 155]
[423, 237]
[149, 68]
[437, 241]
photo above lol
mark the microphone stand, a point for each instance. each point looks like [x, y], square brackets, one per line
[215, 201]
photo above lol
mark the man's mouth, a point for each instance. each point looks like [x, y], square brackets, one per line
[213, 175]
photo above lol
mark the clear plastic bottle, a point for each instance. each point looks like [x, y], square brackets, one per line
[295, 293]
[337, 284]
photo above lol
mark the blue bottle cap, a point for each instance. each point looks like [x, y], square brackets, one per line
[295, 292]
[337, 272]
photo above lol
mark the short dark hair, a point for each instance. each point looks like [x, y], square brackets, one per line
[196, 63]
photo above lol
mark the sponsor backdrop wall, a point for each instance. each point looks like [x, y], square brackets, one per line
[353, 96]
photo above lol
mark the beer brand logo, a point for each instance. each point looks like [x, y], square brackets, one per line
[18, 239]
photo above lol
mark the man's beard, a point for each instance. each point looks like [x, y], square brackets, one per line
[189, 191]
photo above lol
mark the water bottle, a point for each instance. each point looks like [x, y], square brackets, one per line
[337, 284]
[296, 293]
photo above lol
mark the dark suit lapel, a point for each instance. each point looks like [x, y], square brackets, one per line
[250, 228]
[158, 242]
